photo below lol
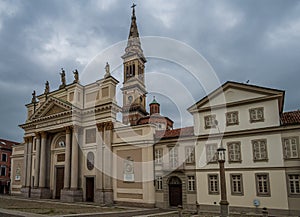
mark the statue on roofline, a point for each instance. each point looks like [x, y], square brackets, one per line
[33, 100]
[76, 76]
[63, 78]
[47, 88]
[107, 70]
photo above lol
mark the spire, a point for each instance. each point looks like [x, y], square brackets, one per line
[133, 33]
[134, 43]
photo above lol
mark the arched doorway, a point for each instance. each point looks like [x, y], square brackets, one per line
[57, 170]
[175, 191]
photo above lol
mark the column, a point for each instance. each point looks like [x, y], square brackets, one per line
[99, 165]
[37, 160]
[107, 155]
[29, 162]
[106, 192]
[24, 181]
[67, 159]
[74, 160]
[42, 178]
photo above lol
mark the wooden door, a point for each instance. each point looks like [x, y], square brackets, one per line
[90, 189]
[175, 195]
[60, 172]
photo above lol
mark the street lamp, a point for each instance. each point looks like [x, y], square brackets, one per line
[221, 159]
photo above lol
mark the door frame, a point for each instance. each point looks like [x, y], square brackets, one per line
[85, 186]
[55, 178]
[179, 186]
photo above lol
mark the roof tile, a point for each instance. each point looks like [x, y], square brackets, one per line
[290, 118]
[186, 131]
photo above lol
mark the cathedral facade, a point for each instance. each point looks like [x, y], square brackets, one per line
[75, 149]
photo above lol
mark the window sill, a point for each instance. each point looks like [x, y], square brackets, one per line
[291, 159]
[237, 194]
[190, 164]
[232, 124]
[255, 121]
[260, 160]
[263, 195]
[294, 195]
[212, 162]
[213, 193]
[235, 162]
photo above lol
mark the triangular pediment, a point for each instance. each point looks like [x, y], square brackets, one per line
[52, 106]
[55, 109]
[235, 93]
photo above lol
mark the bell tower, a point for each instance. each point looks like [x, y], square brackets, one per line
[134, 90]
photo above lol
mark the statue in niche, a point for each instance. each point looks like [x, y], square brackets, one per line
[33, 100]
[76, 76]
[47, 88]
[107, 70]
[63, 78]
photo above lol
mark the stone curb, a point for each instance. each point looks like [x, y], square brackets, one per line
[157, 214]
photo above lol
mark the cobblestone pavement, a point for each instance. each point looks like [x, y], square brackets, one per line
[11, 206]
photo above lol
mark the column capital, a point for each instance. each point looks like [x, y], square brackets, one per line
[44, 134]
[37, 135]
[100, 127]
[109, 125]
[68, 129]
[76, 129]
[25, 139]
[28, 139]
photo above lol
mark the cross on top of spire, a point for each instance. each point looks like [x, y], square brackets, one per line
[133, 5]
[133, 9]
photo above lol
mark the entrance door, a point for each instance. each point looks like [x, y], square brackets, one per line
[175, 191]
[90, 189]
[60, 172]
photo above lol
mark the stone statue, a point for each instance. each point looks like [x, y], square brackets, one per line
[76, 77]
[47, 88]
[33, 100]
[107, 70]
[63, 78]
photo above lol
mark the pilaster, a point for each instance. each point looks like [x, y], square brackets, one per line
[67, 159]
[37, 160]
[42, 178]
[73, 194]
[104, 191]
[25, 190]
[29, 161]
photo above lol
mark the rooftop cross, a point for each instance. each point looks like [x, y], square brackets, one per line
[133, 9]
[133, 5]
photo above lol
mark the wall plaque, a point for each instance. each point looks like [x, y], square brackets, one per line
[129, 170]
[61, 158]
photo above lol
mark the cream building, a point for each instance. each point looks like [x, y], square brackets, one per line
[75, 150]
[262, 142]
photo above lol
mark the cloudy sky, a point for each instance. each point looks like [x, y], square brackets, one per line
[256, 40]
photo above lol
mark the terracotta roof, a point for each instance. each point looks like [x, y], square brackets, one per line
[290, 118]
[7, 144]
[187, 131]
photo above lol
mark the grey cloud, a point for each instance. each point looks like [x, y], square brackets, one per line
[234, 36]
